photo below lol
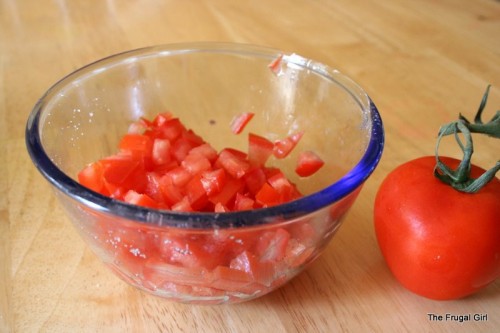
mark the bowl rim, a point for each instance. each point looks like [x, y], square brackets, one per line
[336, 191]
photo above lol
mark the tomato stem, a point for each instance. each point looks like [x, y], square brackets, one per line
[460, 178]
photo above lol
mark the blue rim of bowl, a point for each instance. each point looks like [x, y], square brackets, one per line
[201, 220]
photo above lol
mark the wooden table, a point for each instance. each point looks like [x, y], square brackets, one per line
[422, 62]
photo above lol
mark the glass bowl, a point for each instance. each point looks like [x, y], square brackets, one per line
[201, 257]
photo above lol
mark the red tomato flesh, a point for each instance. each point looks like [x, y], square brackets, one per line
[161, 164]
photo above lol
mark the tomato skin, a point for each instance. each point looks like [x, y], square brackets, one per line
[438, 242]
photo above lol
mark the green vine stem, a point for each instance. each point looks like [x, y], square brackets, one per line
[460, 178]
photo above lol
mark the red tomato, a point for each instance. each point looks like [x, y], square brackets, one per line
[438, 242]
[308, 164]
[240, 121]
[163, 165]
[259, 150]
[284, 146]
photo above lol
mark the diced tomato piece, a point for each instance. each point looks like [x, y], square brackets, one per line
[271, 245]
[137, 144]
[220, 208]
[153, 187]
[254, 180]
[172, 129]
[243, 202]
[194, 164]
[233, 162]
[178, 176]
[296, 253]
[275, 65]
[240, 121]
[284, 146]
[161, 151]
[261, 272]
[139, 126]
[213, 181]
[259, 150]
[159, 273]
[124, 170]
[183, 205]
[196, 193]
[92, 176]
[193, 138]
[161, 119]
[284, 187]
[181, 148]
[170, 192]
[229, 279]
[308, 163]
[228, 192]
[268, 196]
[204, 150]
[135, 198]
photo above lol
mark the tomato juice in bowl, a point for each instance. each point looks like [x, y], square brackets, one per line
[209, 257]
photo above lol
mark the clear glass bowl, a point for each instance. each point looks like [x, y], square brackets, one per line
[208, 258]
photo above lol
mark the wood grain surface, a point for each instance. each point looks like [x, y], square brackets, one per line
[422, 62]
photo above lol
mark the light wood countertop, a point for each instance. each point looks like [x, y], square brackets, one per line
[422, 62]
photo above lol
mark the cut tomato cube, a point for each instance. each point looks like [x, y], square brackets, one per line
[254, 180]
[196, 193]
[161, 151]
[161, 119]
[220, 208]
[243, 202]
[170, 192]
[228, 192]
[275, 65]
[259, 150]
[268, 196]
[234, 162]
[284, 187]
[195, 164]
[272, 245]
[308, 164]
[144, 200]
[240, 121]
[171, 129]
[139, 144]
[213, 181]
[284, 146]
[182, 206]
[229, 279]
[139, 127]
[261, 272]
[204, 150]
[92, 176]
[181, 148]
[159, 273]
[178, 176]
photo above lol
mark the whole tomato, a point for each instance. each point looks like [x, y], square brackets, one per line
[438, 242]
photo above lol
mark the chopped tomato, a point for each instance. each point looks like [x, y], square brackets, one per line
[213, 181]
[283, 147]
[161, 151]
[92, 176]
[259, 150]
[308, 163]
[140, 199]
[243, 202]
[161, 164]
[272, 245]
[137, 143]
[240, 121]
[275, 65]
[234, 162]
